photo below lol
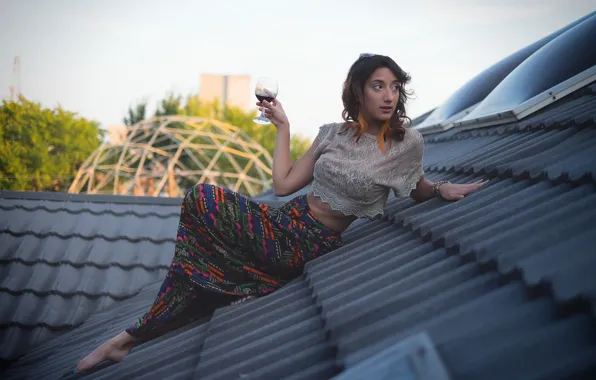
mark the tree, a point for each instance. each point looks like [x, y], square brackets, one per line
[171, 105]
[263, 134]
[41, 149]
[298, 145]
[136, 114]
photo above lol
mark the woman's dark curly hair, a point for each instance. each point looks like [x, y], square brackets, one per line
[352, 97]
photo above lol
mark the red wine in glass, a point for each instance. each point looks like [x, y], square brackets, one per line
[267, 98]
[266, 89]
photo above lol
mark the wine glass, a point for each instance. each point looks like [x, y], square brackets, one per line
[266, 89]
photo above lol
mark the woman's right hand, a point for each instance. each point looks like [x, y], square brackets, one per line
[274, 111]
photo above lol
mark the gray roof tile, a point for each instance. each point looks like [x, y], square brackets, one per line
[256, 337]
[86, 225]
[175, 357]
[88, 207]
[64, 257]
[387, 324]
[41, 279]
[389, 300]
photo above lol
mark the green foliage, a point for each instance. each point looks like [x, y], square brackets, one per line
[41, 149]
[263, 134]
[136, 114]
[171, 105]
[298, 146]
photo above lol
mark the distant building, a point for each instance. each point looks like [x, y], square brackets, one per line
[233, 90]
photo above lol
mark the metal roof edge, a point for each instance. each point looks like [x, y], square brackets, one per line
[413, 357]
[95, 198]
[446, 124]
[533, 104]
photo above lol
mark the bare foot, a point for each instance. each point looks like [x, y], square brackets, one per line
[114, 349]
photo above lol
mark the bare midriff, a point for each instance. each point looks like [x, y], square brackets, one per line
[332, 219]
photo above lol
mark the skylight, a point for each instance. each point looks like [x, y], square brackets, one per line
[476, 98]
[559, 68]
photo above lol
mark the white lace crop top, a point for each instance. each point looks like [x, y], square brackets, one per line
[355, 178]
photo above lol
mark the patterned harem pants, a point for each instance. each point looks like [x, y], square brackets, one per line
[230, 247]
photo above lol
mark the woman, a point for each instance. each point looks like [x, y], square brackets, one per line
[231, 248]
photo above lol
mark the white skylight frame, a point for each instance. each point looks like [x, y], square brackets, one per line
[533, 104]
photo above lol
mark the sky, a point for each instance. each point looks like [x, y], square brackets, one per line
[99, 57]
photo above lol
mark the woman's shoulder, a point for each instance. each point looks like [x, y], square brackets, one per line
[406, 134]
[335, 126]
[328, 130]
[414, 135]
[412, 138]
[412, 142]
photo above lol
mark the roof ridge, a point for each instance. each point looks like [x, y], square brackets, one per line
[99, 236]
[31, 326]
[504, 172]
[511, 128]
[127, 267]
[555, 116]
[92, 212]
[67, 294]
[92, 198]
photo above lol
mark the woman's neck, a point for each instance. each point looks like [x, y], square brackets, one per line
[373, 127]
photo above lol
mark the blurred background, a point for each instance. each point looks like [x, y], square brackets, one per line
[93, 69]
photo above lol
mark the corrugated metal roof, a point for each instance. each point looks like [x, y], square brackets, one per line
[500, 282]
[481, 322]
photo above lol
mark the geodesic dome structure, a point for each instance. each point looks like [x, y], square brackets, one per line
[164, 156]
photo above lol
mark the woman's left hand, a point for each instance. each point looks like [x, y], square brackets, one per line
[454, 192]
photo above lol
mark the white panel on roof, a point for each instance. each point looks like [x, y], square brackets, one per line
[560, 67]
[466, 99]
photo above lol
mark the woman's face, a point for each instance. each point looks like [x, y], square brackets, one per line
[380, 95]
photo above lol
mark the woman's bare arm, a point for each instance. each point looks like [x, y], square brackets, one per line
[448, 191]
[288, 176]
[423, 191]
